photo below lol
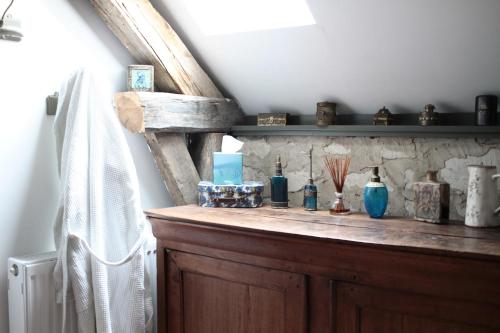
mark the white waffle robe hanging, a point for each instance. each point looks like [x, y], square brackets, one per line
[100, 227]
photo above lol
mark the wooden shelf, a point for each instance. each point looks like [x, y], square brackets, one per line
[369, 131]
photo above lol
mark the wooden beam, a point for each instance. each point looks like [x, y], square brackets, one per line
[176, 166]
[175, 113]
[151, 40]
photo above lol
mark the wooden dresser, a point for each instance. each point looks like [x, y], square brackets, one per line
[291, 271]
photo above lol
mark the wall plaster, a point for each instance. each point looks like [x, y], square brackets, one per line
[402, 161]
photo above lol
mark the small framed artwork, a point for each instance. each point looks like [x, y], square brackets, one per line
[141, 78]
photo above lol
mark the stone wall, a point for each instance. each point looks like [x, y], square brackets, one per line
[402, 161]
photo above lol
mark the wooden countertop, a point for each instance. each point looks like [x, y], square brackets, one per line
[453, 239]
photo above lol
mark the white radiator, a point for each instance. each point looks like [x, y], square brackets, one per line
[32, 305]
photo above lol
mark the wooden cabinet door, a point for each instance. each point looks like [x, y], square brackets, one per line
[361, 309]
[206, 295]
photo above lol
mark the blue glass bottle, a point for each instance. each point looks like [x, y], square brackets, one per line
[376, 196]
[279, 188]
[310, 190]
[310, 196]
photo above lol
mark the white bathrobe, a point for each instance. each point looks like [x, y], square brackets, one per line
[100, 227]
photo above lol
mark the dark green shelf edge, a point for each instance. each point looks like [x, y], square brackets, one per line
[370, 131]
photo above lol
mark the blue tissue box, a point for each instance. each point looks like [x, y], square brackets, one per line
[228, 168]
[247, 195]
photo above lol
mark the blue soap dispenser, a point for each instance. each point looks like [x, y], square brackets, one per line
[310, 190]
[376, 196]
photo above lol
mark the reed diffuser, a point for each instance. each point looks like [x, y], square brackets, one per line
[338, 167]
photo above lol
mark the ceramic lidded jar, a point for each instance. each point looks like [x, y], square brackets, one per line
[432, 199]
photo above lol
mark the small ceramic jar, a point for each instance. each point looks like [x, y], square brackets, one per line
[428, 117]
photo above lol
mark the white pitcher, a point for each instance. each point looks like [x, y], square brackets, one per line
[482, 197]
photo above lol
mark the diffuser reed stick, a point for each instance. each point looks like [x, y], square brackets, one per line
[338, 167]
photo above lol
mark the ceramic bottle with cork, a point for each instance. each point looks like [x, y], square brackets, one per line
[375, 195]
[432, 199]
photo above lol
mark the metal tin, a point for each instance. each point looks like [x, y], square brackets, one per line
[272, 119]
[325, 113]
[486, 110]
[383, 117]
[246, 195]
[428, 117]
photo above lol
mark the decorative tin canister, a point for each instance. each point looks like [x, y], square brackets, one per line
[325, 113]
[246, 195]
[486, 110]
[272, 119]
[383, 117]
[429, 117]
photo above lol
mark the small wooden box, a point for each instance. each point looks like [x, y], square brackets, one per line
[272, 119]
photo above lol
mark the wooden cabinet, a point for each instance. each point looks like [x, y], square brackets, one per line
[267, 271]
[208, 295]
[362, 309]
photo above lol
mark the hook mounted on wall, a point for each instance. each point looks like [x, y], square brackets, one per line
[10, 28]
[51, 101]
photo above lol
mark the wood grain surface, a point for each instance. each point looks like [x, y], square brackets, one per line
[165, 112]
[358, 228]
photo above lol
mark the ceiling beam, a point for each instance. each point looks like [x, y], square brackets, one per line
[165, 112]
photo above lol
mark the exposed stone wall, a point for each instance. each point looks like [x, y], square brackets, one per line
[402, 161]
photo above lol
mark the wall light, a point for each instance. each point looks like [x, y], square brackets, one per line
[10, 28]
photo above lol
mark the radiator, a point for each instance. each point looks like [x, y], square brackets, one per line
[32, 305]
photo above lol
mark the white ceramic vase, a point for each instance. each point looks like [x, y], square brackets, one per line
[482, 197]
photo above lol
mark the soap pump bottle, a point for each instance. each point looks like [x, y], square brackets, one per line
[279, 187]
[310, 190]
[375, 195]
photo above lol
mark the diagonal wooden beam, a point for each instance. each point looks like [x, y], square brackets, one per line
[151, 40]
[176, 166]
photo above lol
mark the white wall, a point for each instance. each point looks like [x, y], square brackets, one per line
[60, 36]
[363, 54]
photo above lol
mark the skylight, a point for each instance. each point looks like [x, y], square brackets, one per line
[216, 17]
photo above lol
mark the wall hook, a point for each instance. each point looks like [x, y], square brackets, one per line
[52, 104]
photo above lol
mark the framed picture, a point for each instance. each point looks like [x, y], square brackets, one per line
[140, 78]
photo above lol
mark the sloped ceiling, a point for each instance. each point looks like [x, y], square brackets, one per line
[362, 54]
